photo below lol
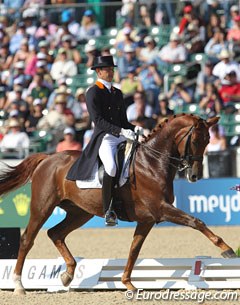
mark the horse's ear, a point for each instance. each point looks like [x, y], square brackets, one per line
[212, 121]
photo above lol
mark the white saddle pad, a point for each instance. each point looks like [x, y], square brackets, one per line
[93, 181]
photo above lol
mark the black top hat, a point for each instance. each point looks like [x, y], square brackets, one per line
[103, 61]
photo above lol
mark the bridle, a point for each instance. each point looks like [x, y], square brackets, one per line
[188, 157]
[183, 161]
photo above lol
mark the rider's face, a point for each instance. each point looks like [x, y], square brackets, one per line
[106, 73]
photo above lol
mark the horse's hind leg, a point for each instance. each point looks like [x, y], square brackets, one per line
[74, 219]
[172, 214]
[27, 239]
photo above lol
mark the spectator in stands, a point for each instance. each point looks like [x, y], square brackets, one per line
[210, 101]
[129, 59]
[68, 19]
[192, 39]
[59, 117]
[81, 99]
[230, 90]
[17, 96]
[63, 67]
[139, 107]
[139, 113]
[150, 51]
[172, 53]
[6, 58]
[61, 88]
[34, 116]
[78, 105]
[186, 19]
[68, 142]
[214, 23]
[16, 39]
[145, 16]
[128, 41]
[72, 52]
[217, 141]
[40, 90]
[233, 35]
[18, 76]
[15, 139]
[225, 66]
[89, 27]
[234, 12]
[179, 94]
[151, 80]
[31, 62]
[46, 30]
[204, 77]
[216, 45]
[164, 110]
[13, 8]
[91, 52]
[234, 32]
[129, 85]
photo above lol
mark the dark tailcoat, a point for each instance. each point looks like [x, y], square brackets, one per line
[108, 113]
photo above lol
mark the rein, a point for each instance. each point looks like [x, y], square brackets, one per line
[183, 161]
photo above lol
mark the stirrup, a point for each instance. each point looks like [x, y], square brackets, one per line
[111, 219]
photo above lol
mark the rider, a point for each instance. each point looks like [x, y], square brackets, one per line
[111, 127]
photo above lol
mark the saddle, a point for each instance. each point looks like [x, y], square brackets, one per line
[117, 203]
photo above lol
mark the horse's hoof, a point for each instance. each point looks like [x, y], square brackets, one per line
[19, 291]
[66, 278]
[229, 254]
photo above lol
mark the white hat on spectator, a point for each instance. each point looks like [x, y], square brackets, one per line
[13, 113]
[127, 30]
[192, 27]
[67, 38]
[234, 8]
[37, 101]
[179, 79]
[14, 123]
[79, 91]
[69, 130]
[41, 63]
[224, 54]
[41, 55]
[24, 41]
[89, 48]
[128, 49]
[174, 36]
[18, 81]
[148, 39]
[43, 43]
[19, 65]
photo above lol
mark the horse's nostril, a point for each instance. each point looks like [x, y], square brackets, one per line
[194, 177]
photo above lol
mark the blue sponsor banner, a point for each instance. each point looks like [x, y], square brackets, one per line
[211, 200]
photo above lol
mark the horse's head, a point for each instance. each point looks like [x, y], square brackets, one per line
[191, 142]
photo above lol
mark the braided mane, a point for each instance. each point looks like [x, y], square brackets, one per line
[164, 122]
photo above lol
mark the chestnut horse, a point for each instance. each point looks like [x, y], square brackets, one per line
[178, 142]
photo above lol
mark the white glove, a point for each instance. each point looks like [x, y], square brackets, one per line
[139, 130]
[128, 133]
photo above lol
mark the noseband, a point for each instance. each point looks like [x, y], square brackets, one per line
[188, 157]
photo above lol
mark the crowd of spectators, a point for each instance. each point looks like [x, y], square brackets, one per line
[39, 53]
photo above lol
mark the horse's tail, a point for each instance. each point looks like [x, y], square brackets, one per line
[12, 177]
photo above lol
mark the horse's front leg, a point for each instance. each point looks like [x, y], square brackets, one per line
[172, 214]
[140, 234]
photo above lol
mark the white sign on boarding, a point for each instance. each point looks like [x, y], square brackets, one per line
[45, 273]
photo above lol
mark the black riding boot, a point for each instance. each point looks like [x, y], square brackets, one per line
[107, 194]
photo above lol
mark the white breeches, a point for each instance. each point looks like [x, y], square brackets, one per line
[107, 152]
